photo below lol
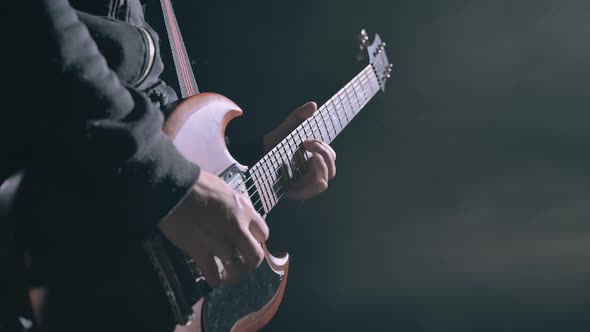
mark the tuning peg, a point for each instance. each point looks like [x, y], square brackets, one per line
[363, 39]
[364, 34]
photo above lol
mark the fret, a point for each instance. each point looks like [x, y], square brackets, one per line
[301, 159]
[352, 100]
[347, 94]
[331, 111]
[275, 167]
[338, 114]
[259, 183]
[294, 145]
[286, 158]
[318, 129]
[300, 137]
[330, 124]
[310, 130]
[287, 168]
[283, 152]
[270, 173]
[359, 90]
[321, 114]
[363, 81]
[279, 178]
[355, 102]
[263, 178]
[276, 162]
[343, 98]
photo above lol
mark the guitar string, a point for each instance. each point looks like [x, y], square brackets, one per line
[362, 80]
[307, 126]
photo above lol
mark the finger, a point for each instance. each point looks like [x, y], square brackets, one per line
[232, 265]
[258, 226]
[209, 269]
[250, 249]
[328, 158]
[319, 173]
[332, 161]
[305, 111]
[329, 148]
[313, 181]
[300, 114]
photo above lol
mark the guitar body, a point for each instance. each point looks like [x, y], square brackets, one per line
[197, 128]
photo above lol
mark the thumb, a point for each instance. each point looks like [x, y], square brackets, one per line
[294, 119]
[302, 112]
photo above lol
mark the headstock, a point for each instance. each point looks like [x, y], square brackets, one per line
[377, 57]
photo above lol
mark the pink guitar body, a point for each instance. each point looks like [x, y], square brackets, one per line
[197, 126]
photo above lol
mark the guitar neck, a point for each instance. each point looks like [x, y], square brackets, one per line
[286, 162]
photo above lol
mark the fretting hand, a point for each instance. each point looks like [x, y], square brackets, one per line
[322, 164]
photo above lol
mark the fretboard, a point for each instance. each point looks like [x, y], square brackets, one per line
[286, 162]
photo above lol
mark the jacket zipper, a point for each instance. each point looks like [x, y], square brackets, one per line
[118, 9]
[151, 55]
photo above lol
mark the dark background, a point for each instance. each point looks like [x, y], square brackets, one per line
[462, 199]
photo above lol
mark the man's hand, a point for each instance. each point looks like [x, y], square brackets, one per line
[216, 221]
[322, 163]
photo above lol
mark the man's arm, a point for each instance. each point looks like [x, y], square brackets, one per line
[83, 117]
[114, 130]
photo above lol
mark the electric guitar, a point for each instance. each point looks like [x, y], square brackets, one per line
[197, 127]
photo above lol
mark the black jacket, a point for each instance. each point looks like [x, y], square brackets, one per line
[87, 130]
[98, 168]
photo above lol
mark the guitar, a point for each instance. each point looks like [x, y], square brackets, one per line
[197, 126]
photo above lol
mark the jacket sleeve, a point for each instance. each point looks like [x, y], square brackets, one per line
[115, 130]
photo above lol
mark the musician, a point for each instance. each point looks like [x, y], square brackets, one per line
[100, 174]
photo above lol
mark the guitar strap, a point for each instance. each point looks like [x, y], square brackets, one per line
[184, 72]
[160, 251]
